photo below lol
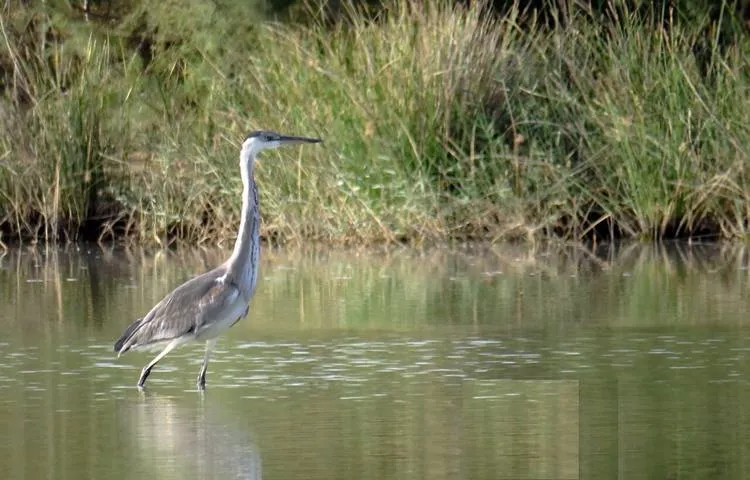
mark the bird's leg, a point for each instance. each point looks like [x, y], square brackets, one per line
[147, 369]
[210, 344]
[144, 375]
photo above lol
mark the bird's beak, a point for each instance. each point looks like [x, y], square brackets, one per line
[290, 140]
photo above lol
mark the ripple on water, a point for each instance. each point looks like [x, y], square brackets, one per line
[112, 365]
[356, 366]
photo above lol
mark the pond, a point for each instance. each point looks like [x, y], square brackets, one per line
[482, 362]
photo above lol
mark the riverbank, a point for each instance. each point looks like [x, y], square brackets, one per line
[440, 123]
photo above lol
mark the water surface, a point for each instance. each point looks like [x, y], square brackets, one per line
[475, 363]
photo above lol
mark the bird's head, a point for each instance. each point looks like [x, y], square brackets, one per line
[262, 140]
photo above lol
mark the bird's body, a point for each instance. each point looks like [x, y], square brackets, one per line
[219, 306]
[206, 306]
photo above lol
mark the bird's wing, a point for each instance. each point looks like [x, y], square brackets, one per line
[185, 310]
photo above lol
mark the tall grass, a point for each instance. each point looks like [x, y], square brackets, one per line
[440, 122]
[400, 102]
[666, 147]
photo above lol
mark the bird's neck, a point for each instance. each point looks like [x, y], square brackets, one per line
[243, 265]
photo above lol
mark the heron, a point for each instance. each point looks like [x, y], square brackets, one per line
[206, 306]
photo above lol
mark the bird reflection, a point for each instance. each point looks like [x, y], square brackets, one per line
[181, 441]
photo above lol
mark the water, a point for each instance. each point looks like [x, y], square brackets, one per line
[483, 363]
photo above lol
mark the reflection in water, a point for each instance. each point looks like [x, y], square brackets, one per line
[179, 442]
[514, 289]
[479, 363]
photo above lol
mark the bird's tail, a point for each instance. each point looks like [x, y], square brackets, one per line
[126, 336]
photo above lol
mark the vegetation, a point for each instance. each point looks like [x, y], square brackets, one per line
[441, 122]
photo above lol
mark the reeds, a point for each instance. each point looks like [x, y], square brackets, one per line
[440, 122]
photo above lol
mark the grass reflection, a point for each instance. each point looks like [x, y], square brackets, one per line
[511, 289]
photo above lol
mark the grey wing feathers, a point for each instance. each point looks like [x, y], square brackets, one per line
[126, 335]
[180, 313]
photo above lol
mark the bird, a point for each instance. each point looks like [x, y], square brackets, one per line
[207, 305]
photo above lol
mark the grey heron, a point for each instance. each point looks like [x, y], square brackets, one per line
[206, 306]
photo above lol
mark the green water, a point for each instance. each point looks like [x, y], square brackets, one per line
[483, 363]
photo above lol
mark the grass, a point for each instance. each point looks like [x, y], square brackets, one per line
[440, 123]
